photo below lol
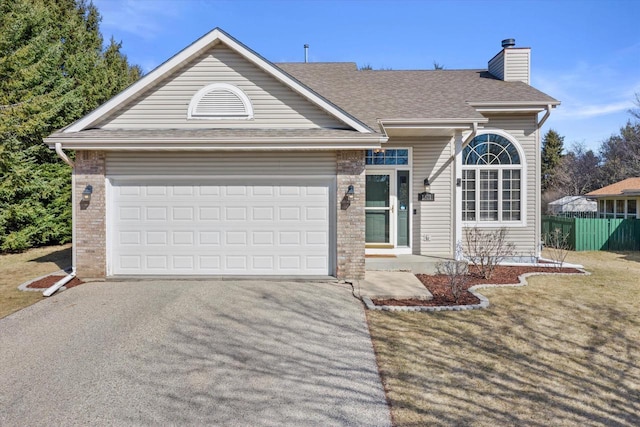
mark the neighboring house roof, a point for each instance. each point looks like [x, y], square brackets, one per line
[626, 187]
[573, 204]
[397, 94]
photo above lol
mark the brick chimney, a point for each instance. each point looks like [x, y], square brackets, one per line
[512, 64]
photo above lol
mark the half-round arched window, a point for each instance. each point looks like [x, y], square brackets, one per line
[492, 180]
[220, 101]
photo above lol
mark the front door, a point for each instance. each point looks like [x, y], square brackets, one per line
[379, 209]
[387, 209]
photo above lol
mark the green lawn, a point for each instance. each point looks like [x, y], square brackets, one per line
[563, 351]
[16, 269]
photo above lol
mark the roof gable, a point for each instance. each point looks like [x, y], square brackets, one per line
[213, 39]
[173, 102]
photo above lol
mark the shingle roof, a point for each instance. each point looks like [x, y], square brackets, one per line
[396, 94]
[629, 185]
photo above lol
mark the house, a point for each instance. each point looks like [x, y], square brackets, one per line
[618, 200]
[573, 206]
[219, 162]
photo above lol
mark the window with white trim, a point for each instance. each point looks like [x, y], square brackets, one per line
[492, 181]
[220, 101]
[618, 208]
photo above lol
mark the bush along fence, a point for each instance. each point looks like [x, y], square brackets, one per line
[594, 234]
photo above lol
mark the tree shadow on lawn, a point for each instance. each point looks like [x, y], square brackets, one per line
[628, 255]
[465, 369]
[61, 258]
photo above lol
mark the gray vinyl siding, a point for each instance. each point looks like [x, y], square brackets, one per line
[524, 129]
[431, 158]
[496, 65]
[513, 64]
[234, 164]
[518, 65]
[274, 104]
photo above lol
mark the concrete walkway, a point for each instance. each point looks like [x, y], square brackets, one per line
[393, 285]
[230, 353]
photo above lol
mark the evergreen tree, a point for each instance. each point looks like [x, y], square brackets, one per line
[552, 146]
[53, 70]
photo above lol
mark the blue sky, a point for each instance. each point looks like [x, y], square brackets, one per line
[584, 53]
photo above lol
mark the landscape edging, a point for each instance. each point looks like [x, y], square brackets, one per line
[484, 301]
[25, 285]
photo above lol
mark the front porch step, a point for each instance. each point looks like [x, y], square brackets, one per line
[417, 264]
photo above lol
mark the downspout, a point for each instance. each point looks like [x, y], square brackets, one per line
[60, 283]
[458, 250]
[545, 117]
[472, 135]
[538, 225]
[62, 155]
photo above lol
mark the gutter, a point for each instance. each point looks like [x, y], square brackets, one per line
[60, 283]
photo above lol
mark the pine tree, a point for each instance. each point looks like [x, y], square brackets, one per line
[552, 146]
[53, 70]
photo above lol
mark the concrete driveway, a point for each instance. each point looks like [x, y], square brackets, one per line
[191, 352]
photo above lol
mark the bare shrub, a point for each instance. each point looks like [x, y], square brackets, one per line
[558, 246]
[487, 249]
[456, 272]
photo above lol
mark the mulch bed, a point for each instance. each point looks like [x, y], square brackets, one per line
[438, 285]
[48, 281]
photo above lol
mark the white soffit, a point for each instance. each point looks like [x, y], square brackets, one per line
[207, 41]
[512, 107]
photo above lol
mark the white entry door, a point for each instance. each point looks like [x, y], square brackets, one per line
[215, 228]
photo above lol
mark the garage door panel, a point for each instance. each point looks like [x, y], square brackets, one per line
[209, 238]
[218, 229]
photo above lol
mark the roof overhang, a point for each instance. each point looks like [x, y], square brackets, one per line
[213, 140]
[428, 127]
[622, 194]
[513, 107]
[205, 42]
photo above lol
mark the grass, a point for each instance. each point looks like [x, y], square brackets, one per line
[563, 351]
[16, 269]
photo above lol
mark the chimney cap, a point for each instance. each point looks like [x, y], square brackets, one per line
[507, 43]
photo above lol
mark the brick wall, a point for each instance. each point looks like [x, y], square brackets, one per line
[350, 218]
[90, 222]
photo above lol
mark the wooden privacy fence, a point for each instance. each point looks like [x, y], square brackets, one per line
[594, 234]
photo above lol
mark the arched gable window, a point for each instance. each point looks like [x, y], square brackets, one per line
[220, 101]
[492, 180]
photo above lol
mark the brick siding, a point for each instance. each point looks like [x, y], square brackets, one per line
[350, 217]
[90, 222]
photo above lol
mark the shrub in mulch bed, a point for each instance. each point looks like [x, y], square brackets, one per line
[48, 281]
[438, 285]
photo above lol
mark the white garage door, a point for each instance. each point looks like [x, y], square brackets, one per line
[215, 228]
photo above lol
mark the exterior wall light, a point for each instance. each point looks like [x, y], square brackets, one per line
[350, 192]
[86, 193]
[427, 195]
